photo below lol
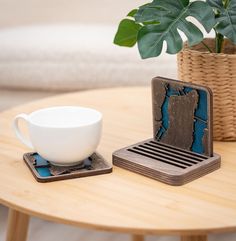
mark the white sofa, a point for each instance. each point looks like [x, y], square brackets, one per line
[57, 46]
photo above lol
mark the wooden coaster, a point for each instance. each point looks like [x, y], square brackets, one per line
[183, 115]
[181, 149]
[43, 171]
[165, 163]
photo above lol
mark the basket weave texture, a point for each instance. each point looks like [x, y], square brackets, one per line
[217, 71]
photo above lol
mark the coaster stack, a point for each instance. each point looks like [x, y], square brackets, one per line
[165, 163]
[181, 149]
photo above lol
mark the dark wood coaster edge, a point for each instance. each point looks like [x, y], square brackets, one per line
[28, 156]
[177, 181]
[164, 172]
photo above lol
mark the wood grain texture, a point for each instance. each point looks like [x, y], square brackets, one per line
[180, 131]
[137, 238]
[121, 201]
[165, 163]
[158, 97]
[17, 226]
[174, 105]
[194, 238]
[41, 230]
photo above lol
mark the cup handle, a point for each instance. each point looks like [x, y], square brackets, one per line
[18, 132]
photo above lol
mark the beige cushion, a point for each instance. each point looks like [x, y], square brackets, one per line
[73, 57]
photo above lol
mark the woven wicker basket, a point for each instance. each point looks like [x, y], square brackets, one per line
[217, 71]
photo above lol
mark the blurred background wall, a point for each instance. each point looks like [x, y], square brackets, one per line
[52, 46]
[27, 12]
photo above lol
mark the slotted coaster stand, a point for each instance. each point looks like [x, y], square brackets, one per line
[181, 149]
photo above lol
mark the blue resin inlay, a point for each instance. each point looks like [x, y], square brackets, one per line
[40, 161]
[42, 166]
[201, 111]
[165, 114]
[43, 171]
[200, 123]
[198, 134]
[200, 117]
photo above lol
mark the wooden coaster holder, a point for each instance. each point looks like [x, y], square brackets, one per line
[182, 152]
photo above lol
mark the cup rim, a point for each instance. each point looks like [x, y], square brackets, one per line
[98, 119]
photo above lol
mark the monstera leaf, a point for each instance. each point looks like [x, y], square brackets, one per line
[172, 16]
[226, 18]
[127, 31]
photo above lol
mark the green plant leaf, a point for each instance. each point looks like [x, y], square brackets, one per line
[151, 13]
[215, 3]
[226, 19]
[132, 13]
[172, 17]
[127, 33]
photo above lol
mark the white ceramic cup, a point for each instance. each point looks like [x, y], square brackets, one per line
[63, 135]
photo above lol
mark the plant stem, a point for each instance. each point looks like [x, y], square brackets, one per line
[219, 39]
[207, 47]
[219, 42]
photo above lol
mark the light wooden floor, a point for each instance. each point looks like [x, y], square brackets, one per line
[41, 230]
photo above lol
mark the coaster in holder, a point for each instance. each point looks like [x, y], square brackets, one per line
[181, 149]
[43, 171]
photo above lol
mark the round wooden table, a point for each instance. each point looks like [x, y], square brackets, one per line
[121, 201]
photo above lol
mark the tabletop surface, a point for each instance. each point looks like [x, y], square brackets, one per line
[121, 201]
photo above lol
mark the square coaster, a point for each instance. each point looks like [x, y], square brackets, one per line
[44, 171]
[182, 115]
